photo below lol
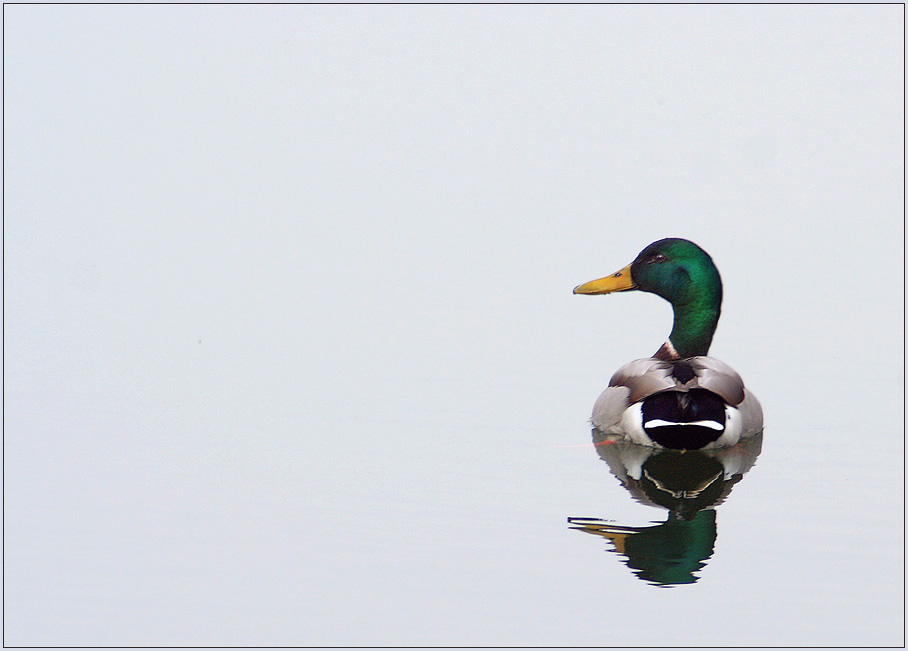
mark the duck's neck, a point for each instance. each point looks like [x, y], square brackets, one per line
[693, 328]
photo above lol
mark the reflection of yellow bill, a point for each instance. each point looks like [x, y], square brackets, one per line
[620, 281]
[614, 532]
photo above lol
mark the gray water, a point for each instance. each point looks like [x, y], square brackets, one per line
[291, 354]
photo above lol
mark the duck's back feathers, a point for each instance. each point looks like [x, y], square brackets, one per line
[686, 403]
[717, 376]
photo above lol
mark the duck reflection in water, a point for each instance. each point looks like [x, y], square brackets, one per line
[689, 484]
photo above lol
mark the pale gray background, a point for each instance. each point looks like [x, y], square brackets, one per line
[291, 355]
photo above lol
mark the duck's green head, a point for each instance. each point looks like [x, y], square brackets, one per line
[683, 274]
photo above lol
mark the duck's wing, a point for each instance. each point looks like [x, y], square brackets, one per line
[718, 377]
[631, 383]
[644, 377]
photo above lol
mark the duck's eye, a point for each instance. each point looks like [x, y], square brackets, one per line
[657, 257]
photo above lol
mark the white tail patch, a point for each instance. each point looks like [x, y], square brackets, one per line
[709, 424]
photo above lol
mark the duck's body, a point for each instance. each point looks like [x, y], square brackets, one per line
[693, 403]
[680, 398]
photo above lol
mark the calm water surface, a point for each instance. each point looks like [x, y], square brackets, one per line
[291, 355]
[421, 510]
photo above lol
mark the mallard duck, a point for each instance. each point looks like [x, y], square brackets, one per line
[679, 398]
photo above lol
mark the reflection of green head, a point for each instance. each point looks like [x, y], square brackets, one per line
[670, 553]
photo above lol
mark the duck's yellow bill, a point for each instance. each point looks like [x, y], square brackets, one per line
[620, 281]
